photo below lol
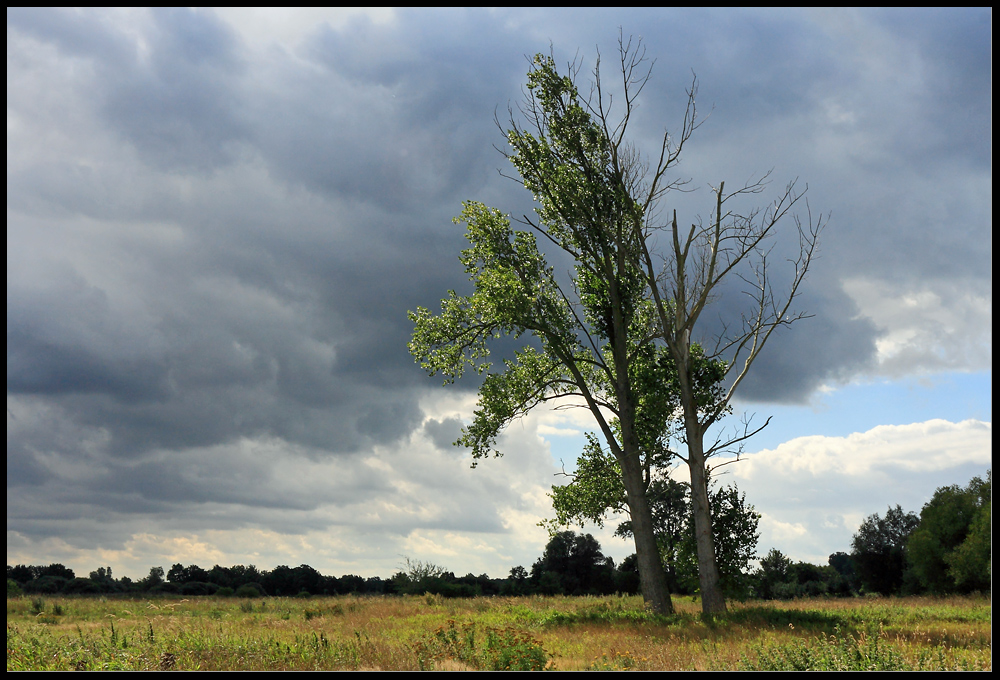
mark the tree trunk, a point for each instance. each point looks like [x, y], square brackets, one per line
[652, 578]
[712, 599]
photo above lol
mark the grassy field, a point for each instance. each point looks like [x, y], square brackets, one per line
[412, 633]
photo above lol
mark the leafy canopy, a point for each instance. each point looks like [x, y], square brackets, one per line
[584, 209]
[515, 293]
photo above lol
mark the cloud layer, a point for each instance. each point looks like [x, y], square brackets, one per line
[217, 222]
[814, 492]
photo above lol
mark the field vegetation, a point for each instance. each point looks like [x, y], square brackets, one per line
[414, 632]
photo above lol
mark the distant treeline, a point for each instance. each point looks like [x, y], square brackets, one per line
[946, 549]
[572, 565]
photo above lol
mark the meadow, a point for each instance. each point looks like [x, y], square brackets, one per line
[519, 633]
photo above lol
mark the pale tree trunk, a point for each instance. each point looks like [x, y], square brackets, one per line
[712, 599]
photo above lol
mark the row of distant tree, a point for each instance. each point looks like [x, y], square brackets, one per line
[193, 580]
[946, 549]
[571, 564]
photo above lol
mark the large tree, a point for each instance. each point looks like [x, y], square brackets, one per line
[592, 334]
[573, 564]
[695, 268]
[599, 199]
[879, 550]
[949, 550]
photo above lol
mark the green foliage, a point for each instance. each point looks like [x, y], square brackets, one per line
[879, 550]
[592, 340]
[844, 565]
[247, 591]
[515, 293]
[573, 565]
[774, 570]
[484, 648]
[866, 651]
[950, 549]
[971, 563]
[735, 535]
[425, 577]
[154, 579]
[47, 585]
[417, 571]
[566, 163]
[796, 580]
[596, 490]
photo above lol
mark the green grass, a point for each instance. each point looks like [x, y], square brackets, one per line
[429, 632]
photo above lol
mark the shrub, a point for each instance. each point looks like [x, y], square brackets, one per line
[81, 586]
[47, 585]
[198, 588]
[484, 648]
[248, 591]
[837, 652]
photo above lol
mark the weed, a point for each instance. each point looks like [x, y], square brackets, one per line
[569, 633]
[616, 661]
[484, 648]
[606, 612]
[837, 652]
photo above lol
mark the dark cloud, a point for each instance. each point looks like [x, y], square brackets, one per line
[444, 433]
[825, 347]
[212, 242]
[180, 103]
[67, 340]
[76, 34]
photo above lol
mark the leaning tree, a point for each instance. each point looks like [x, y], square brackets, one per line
[592, 334]
[601, 336]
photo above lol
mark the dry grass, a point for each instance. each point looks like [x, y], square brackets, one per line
[409, 633]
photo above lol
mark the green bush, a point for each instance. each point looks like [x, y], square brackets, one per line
[198, 588]
[248, 591]
[837, 652]
[484, 648]
[950, 549]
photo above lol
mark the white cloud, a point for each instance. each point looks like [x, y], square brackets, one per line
[941, 325]
[813, 492]
[339, 514]
[263, 25]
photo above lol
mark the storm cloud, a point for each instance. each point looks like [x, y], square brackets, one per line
[214, 235]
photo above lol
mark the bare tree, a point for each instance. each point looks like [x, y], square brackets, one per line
[688, 275]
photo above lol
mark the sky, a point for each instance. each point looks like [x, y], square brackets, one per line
[217, 221]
